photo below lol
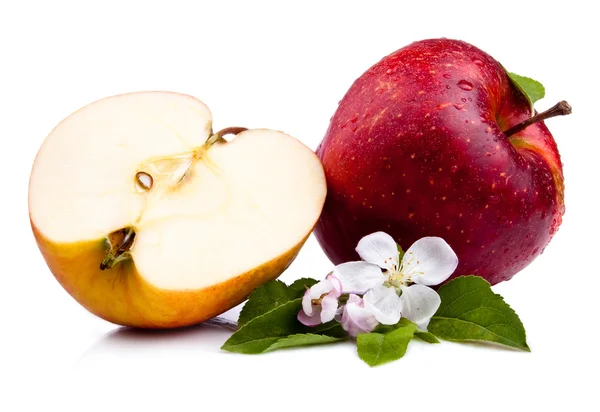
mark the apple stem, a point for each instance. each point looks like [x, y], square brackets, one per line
[221, 323]
[559, 109]
[218, 137]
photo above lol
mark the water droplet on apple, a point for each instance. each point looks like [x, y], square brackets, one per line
[506, 251]
[470, 99]
[463, 100]
[354, 119]
[454, 168]
[494, 199]
[447, 76]
[458, 106]
[465, 85]
[478, 62]
[533, 253]
[447, 86]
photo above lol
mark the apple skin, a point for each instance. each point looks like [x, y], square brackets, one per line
[416, 148]
[122, 296]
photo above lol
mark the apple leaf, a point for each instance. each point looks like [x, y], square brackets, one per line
[261, 333]
[270, 295]
[303, 340]
[532, 89]
[471, 311]
[297, 289]
[426, 337]
[386, 344]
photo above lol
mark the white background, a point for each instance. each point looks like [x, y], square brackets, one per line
[285, 66]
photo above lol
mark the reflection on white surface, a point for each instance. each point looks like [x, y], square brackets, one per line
[131, 343]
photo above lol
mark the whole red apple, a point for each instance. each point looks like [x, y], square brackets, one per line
[417, 148]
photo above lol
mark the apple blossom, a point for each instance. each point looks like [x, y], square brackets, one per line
[320, 302]
[403, 288]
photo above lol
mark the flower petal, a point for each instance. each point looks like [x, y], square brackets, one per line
[358, 277]
[419, 303]
[380, 249]
[356, 319]
[336, 284]
[307, 306]
[307, 320]
[429, 261]
[352, 298]
[329, 306]
[321, 288]
[424, 325]
[385, 304]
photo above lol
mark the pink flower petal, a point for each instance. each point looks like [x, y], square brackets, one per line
[329, 306]
[313, 320]
[337, 285]
[307, 305]
[356, 319]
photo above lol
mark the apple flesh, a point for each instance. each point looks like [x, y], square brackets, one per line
[416, 148]
[148, 219]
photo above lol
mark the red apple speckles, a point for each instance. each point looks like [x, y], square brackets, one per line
[416, 148]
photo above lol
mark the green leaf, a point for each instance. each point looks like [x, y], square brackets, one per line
[400, 253]
[426, 337]
[471, 311]
[386, 344]
[259, 333]
[270, 295]
[297, 289]
[263, 299]
[532, 89]
[262, 332]
[303, 340]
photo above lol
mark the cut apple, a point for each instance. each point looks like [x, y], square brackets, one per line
[148, 219]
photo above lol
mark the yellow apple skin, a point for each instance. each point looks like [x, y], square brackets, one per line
[120, 295]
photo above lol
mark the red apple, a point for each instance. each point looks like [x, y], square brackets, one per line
[417, 148]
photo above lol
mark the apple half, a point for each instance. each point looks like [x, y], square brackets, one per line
[148, 219]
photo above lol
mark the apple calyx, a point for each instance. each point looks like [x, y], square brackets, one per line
[120, 242]
[561, 108]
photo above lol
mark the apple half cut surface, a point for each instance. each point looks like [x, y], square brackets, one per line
[148, 219]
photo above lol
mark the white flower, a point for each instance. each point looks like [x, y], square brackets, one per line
[320, 302]
[356, 318]
[402, 289]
